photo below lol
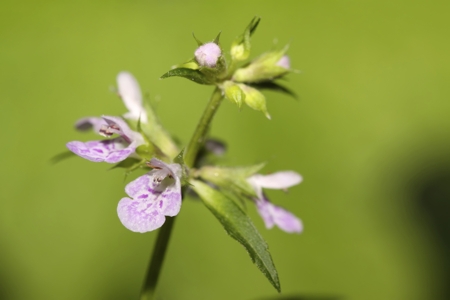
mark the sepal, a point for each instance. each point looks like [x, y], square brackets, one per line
[255, 99]
[268, 66]
[233, 92]
[240, 48]
[179, 159]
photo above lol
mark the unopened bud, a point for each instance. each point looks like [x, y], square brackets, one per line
[284, 62]
[208, 54]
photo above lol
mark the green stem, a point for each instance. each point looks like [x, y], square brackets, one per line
[162, 241]
[199, 136]
[156, 261]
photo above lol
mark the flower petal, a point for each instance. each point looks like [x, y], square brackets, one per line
[87, 123]
[131, 95]
[278, 180]
[173, 169]
[275, 215]
[140, 216]
[171, 198]
[110, 151]
[156, 195]
[119, 126]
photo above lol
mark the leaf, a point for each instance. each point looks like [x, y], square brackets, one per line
[273, 86]
[239, 226]
[194, 75]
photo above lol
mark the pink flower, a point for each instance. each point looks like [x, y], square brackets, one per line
[270, 213]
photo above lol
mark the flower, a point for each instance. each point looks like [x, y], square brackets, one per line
[270, 213]
[208, 54]
[110, 151]
[130, 92]
[155, 195]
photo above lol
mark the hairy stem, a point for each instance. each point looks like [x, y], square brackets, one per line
[162, 242]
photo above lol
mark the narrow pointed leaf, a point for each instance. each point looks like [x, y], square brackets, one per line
[194, 75]
[216, 40]
[276, 87]
[239, 226]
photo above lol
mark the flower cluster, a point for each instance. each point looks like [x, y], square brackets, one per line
[154, 195]
[136, 140]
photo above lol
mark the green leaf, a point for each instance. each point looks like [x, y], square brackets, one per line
[274, 86]
[239, 226]
[199, 43]
[194, 75]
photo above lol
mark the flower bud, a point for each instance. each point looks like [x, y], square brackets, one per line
[208, 54]
[255, 99]
[268, 66]
[284, 62]
[233, 93]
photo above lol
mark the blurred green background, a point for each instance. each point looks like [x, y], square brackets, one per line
[370, 133]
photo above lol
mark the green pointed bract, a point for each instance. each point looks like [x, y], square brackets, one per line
[263, 68]
[179, 159]
[255, 99]
[191, 74]
[240, 48]
[233, 93]
[216, 40]
[234, 179]
[199, 43]
[239, 226]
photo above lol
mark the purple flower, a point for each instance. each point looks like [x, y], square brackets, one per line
[155, 195]
[130, 92]
[270, 213]
[88, 123]
[110, 151]
[208, 54]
